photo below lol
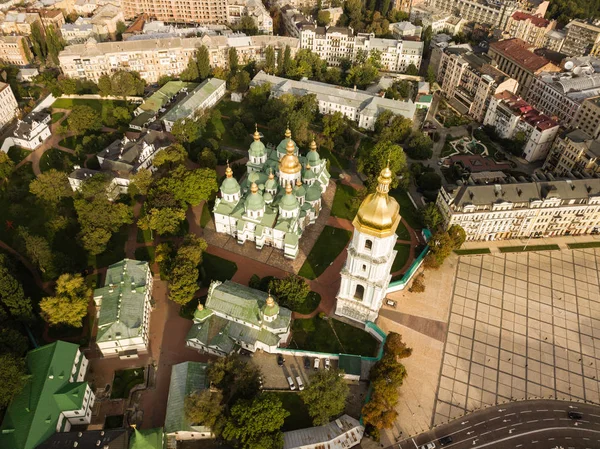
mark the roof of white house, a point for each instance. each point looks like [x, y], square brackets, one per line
[344, 432]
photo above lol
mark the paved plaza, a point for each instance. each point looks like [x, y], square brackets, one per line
[522, 325]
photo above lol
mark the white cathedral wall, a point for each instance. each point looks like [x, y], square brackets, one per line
[380, 247]
[362, 267]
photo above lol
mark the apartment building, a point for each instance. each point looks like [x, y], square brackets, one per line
[303, 3]
[439, 21]
[588, 117]
[14, 50]
[105, 20]
[334, 43]
[514, 57]
[153, 58]
[78, 32]
[582, 39]
[123, 305]
[574, 153]
[554, 40]
[8, 105]
[181, 11]
[471, 80]
[20, 23]
[252, 8]
[523, 210]
[491, 12]
[529, 28]
[357, 105]
[511, 115]
[405, 29]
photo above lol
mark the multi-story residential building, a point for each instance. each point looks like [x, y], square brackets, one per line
[32, 130]
[153, 58]
[252, 8]
[8, 105]
[183, 11]
[19, 23]
[554, 40]
[78, 32]
[124, 308]
[14, 50]
[515, 58]
[105, 21]
[205, 96]
[334, 15]
[561, 95]
[405, 29]
[587, 118]
[471, 80]
[303, 3]
[523, 210]
[87, 7]
[51, 17]
[529, 28]
[357, 105]
[439, 21]
[495, 13]
[294, 21]
[54, 397]
[511, 115]
[582, 39]
[334, 43]
[574, 152]
[238, 315]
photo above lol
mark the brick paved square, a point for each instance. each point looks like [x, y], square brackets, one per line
[522, 325]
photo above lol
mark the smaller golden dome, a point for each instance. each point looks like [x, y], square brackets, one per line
[270, 301]
[298, 182]
[290, 163]
[228, 171]
[290, 148]
[253, 188]
[200, 306]
[271, 175]
[288, 188]
[288, 133]
[308, 166]
[256, 134]
[313, 145]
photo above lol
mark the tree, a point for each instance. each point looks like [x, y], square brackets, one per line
[12, 377]
[291, 291]
[287, 60]
[441, 246]
[323, 18]
[412, 70]
[164, 221]
[236, 378]
[164, 79]
[247, 26]
[38, 251]
[194, 186]
[13, 301]
[12, 341]
[140, 182]
[40, 49]
[396, 346]
[240, 82]
[171, 156]
[458, 235]
[67, 85]
[431, 76]
[6, 166]
[124, 84]
[120, 29]
[186, 131]
[256, 423]
[83, 119]
[430, 216]
[325, 396]
[370, 163]
[204, 408]
[430, 181]
[104, 85]
[122, 114]
[203, 62]
[183, 275]
[51, 186]
[191, 71]
[279, 62]
[233, 60]
[362, 75]
[270, 60]
[69, 305]
[54, 44]
[207, 158]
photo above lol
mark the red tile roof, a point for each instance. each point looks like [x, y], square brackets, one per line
[518, 51]
[527, 112]
[535, 20]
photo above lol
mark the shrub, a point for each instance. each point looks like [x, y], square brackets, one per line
[418, 286]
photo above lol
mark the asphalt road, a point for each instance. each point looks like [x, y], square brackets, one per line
[538, 424]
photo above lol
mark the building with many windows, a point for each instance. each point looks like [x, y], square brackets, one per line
[78, 32]
[8, 105]
[523, 210]
[20, 23]
[123, 305]
[512, 117]
[54, 397]
[529, 28]
[588, 117]
[14, 50]
[32, 130]
[574, 152]
[582, 39]
[494, 13]
[252, 8]
[182, 11]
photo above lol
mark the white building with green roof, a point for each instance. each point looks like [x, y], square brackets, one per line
[54, 398]
[277, 199]
[124, 306]
[186, 378]
[236, 315]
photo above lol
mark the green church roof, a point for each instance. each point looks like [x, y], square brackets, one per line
[147, 439]
[288, 202]
[255, 201]
[257, 148]
[230, 186]
[313, 158]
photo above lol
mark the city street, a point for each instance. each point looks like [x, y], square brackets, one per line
[542, 424]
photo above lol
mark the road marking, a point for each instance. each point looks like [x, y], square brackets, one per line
[464, 422]
[533, 420]
[413, 440]
[510, 414]
[568, 438]
[548, 419]
[558, 410]
[519, 435]
[541, 410]
[526, 411]
[595, 416]
[586, 439]
[480, 422]
[518, 445]
[550, 439]
[489, 431]
[497, 417]
[534, 441]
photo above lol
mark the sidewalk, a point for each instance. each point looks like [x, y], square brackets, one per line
[562, 242]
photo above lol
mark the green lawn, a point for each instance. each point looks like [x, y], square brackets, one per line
[402, 232]
[343, 202]
[59, 160]
[215, 268]
[311, 303]
[124, 381]
[17, 154]
[466, 252]
[145, 253]
[206, 217]
[328, 246]
[518, 249]
[583, 245]
[401, 257]
[57, 116]
[316, 334]
[407, 209]
[228, 107]
[103, 107]
[144, 236]
[299, 417]
[337, 162]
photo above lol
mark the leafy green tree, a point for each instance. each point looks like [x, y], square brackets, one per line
[291, 291]
[124, 83]
[12, 341]
[191, 71]
[240, 82]
[189, 186]
[362, 75]
[430, 216]
[412, 70]
[38, 42]
[431, 76]
[441, 246]
[186, 131]
[67, 85]
[247, 26]
[280, 66]
[207, 158]
[140, 182]
[13, 302]
[325, 396]
[6, 167]
[171, 156]
[287, 60]
[120, 29]
[54, 44]
[204, 408]
[164, 221]
[396, 346]
[83, 119]
[458, 235]
[256, 423]
[70, 303]
[233, 60]
[104, 85]
[38, 251]
[323, 18]
[203, 59]
[51, 187]
[236, 379]
[164, 79]
[183, 276]
[371, 162]
[270, 60]
[122, 114]
[12, 377]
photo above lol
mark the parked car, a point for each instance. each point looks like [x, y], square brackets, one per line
[327, 364]
[575, 415]
[291, 382]
[390, 302]
[317, 363]
[306, 363]
[300, 384]
[445, 440]
[280, 360]
[430, 445]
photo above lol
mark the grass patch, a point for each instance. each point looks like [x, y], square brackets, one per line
[402, 256]
[328, 246]
[216, 268]
[124, 381]
[58, 160]
[583, 245]
[104, 107]
[70, 142]
[113, 422]
[402, 232]
[144, 236]
[205, 218]
[466, 252]
[316, 334]
[337, 162]
[311, 302]
[17, 154]
[518, 249]
[407, 209]
[57, 116]
[228, 107]
[145, 253]
[344, 205]
[299, 417]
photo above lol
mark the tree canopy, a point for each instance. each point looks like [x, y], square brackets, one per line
[69, 304]
[290, 291]
[83, 119]
[12, 377]
[51, 186]
[13, 302]
[325, 395]
[372, 162]
[204, 408]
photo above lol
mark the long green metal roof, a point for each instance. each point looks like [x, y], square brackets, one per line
[186, 378]
[147, 439]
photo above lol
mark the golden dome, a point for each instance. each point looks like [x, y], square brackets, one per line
[228, 171]
[379, 213]
[253, 188]
[270, 301]
[271, 175]
[288, 132]
[298, 182]
[290, 163]
[288, 188]
[256, 134]
[313, 145]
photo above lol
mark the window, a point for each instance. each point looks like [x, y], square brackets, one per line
[359, 293]
[368, 244]
[364, 268]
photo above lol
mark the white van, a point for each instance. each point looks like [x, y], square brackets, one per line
[300, 384]
[292, 384]
[317, 363]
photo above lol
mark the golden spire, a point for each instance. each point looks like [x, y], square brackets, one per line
[253, 188]
[313, 145]
[298, 182]
[308, 165]
[288, 133]
[385, 179]
[290, 148]
[256, 134]
[271, 175]
[200, 306]
[270, 300]
[228, 170]
[288, 188]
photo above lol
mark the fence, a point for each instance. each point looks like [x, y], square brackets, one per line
[403, 282]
